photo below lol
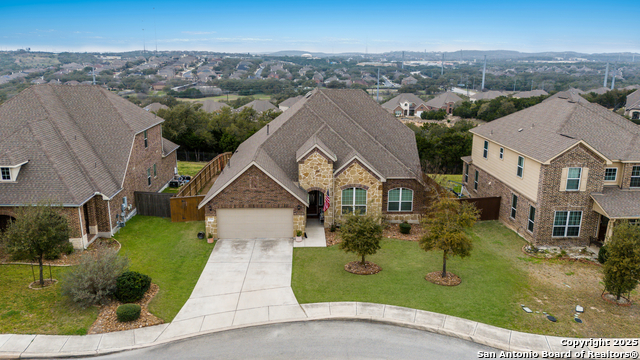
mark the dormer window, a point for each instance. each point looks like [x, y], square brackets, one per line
[6, 174]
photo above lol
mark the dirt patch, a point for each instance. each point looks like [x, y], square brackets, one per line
[551, 252]
[614, 299]
[47, 282]
[392, 231]
[332, 237]
[369, 268]
[73, 258]
[107, 320]
[450, 279]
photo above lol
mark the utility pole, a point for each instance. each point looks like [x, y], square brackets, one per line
[606, 75]
[378, 90]
[442, 64]
[94, 75]
[613, 81]
[484, 70]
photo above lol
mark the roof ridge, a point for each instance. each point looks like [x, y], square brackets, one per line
[368, 134]
[605, 118]
[65, 142]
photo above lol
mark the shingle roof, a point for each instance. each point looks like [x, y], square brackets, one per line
[154, 107]
[488, 95]
[443, 99]
[402, 98]
[528, 94]
[259, 106]
[345, 122]
[618, 203]
[571, 94]
[546, 130]
[633, 100]
[77, 140]
[168, 147]
[599, 91]
[213, 106]
[290, 101]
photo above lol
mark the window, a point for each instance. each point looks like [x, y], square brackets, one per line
[155, 171]
[485, 151]
[146, 142]
[520, 171]
[400, 200]
[635, 177]
[610, 174]
[466, 173]
[532, 218]
[501, 153]
[354, 200]
[514, 205]
[149, 176]
[475, 182]
[6, 173]
[635, 115]
[567, 223]
[573, 179]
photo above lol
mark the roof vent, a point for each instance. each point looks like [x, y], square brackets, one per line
[520, 130]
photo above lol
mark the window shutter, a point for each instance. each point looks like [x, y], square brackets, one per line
[583, 179]
[563, 179]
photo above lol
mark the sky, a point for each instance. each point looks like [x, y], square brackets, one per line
[329, 26]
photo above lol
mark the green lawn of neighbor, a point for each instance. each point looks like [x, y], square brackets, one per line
[170, 253]
[186, 168]
[491, 283]
[46, 311]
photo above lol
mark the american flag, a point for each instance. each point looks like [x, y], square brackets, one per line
[327, 202]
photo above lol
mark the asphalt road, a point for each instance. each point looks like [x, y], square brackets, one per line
[314, 340]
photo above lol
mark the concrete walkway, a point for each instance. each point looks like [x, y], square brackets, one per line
[315, 235]
[248, 283]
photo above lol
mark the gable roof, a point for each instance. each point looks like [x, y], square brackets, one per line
[290, 101]
[154, 107]
[618, 203]
[548, 129]
[213, 106]
[633, 100]
[443, 99]
[344, 122]
[77, 139]
[402, 98]
[529, 94]
[488, 95]
[259, 106]
[599, 91]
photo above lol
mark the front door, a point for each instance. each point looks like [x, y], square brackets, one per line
[602, 231]
[315, 203]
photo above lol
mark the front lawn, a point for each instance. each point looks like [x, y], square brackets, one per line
[496, 279]
[170, 253]
[46, 311]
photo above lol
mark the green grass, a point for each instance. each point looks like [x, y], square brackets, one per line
[46, 311]
[491, 280]
[186, 168]
[224, 97]
[170, 253]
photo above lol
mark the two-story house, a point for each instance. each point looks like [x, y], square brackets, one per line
[83, 148]
[339, 143]
[565, 170]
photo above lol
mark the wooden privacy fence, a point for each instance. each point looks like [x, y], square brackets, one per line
[153, 203]
[202, 178]
[186, 208]
[489, 207]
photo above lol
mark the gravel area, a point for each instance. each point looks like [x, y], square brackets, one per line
[450, 280]
[107, 320]
[369, 268]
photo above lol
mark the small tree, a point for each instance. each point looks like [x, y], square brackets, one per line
[361, 234]
[445, 224]
[622, 266]
[37, 230]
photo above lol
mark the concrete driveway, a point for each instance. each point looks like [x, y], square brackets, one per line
[244, 282]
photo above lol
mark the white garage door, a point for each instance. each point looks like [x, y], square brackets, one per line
[254, 223]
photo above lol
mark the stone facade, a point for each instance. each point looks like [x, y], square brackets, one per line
[315, 172]
[419, 204]
[356, 175]
[252, 189]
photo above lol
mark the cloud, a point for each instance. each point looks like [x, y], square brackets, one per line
[198, 32]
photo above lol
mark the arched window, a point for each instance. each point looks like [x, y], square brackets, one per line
[354, 201]
[400, 199]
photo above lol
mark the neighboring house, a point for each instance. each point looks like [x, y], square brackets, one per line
[632, 108]
[487, 95]
[213, 106]
[259, 106]
[566, 171]
[84, 148]
[339, 142]
[154, 107]
[530, 94]
[406, 104]
[599, 91]
[289, 102]
[409, 81]
[444, 101]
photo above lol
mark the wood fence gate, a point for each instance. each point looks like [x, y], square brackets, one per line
[153, 203]
[489, 207]
[185, 208]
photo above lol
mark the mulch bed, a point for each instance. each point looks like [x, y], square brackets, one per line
[73, 258]
[47, 282]
[107, 320]
[369, 268]
[450, 280]
[392, 231]
[332, 237]
[610, 298]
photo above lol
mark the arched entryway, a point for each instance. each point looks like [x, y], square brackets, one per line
[4, 221]
[316, 202]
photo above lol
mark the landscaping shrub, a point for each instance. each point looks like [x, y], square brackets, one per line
[131, 286]
[52, 254]
[602, 255]
[128, 312]
[94, 280]
[405, 228]
[332, 228]
[67, 249]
